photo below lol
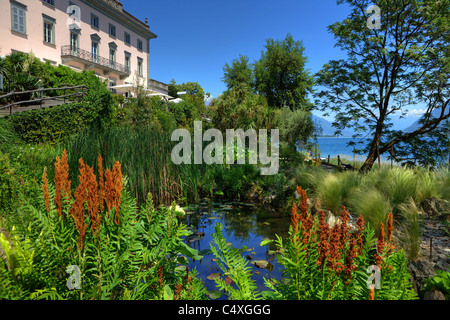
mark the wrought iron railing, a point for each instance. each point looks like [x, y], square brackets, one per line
[94, 58]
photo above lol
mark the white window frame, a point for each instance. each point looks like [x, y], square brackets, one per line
[140, 67]
[128, 61]
[95, 53]
[112, 57]
[49, 33]
[75, 43]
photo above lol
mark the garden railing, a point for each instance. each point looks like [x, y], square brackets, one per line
[80, 91]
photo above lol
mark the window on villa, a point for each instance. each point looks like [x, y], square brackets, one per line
[94, 21]
[51, 2]
[49, 30]
[112, 58]
[74, 42]
[139, 44]
[18, 18]
[95, 51]
[140, 67]
[112, 30]
[128, 61]
[127, 38]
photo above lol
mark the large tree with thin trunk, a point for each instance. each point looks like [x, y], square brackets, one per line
[400, 66]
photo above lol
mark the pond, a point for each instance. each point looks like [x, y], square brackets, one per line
[245, 226]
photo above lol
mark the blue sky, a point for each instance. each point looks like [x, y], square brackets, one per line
[196, 38]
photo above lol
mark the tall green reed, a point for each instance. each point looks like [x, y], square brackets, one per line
[145, 155]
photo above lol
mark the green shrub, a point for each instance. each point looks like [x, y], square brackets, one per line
[373, 205]
[412, 229]
[52, 124]
[441, 281]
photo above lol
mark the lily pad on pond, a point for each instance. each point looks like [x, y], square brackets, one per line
[214, 276]
[214, 294]
[263, 264]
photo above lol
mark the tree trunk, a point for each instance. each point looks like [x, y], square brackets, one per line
[373, 152]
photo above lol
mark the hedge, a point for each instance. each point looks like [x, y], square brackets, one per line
[53, 124]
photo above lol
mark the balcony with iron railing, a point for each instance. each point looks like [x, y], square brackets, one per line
[91, 60]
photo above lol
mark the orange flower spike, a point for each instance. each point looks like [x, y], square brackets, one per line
[390, 227]
[45, 190]
[345, 218]
[352, 254]
[304, 204]
[58, 186]
[118, 186]
[372, 294]
[335, 244]
[92, 198]
[360, 236]
[324, 245]
[380, 246]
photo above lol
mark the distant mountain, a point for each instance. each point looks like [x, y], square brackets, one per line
[416, 125]
[328, 129]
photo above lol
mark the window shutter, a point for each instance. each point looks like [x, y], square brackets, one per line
[22, 21]
[15, 18]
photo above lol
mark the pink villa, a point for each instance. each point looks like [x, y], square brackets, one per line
[96, 35]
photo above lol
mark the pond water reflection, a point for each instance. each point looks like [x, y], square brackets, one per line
[244, 226]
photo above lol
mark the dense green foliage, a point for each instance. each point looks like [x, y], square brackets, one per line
[52, 124]
[25, 72]
[280, 74]
[240, 108]
[191, 89]
[239, 73]
[137, 256]
[21, 72]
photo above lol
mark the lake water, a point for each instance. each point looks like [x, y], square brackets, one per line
[244, 226]
[335, 146]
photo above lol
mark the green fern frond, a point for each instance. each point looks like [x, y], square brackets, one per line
[234, 266]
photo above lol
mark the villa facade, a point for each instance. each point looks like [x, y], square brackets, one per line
[96, 35]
